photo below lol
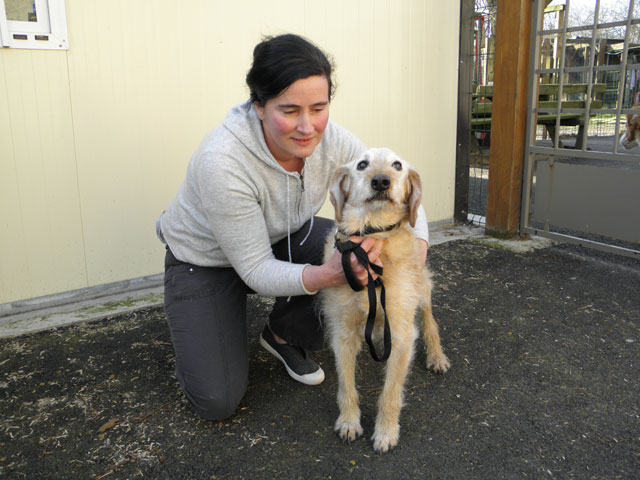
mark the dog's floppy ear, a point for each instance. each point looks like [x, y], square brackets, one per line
[415, 196]
[339, 190]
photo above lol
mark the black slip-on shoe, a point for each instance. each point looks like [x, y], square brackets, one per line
[296, 360]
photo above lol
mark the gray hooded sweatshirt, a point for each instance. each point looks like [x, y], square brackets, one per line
[236, 201]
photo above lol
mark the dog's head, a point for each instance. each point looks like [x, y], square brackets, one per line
[379, 188]
[631, 138]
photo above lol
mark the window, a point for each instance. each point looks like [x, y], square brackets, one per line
[37, 24]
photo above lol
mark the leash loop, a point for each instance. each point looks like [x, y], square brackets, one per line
[346, 248]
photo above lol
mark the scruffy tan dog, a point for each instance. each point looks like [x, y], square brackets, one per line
[630, 138]
[380, 192]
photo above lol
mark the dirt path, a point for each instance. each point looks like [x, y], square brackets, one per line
[545, 352]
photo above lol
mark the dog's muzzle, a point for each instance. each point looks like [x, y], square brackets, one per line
[381, 182]
[380, 185]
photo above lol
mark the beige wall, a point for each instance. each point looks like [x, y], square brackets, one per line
[94, 141]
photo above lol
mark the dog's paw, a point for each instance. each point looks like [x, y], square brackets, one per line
[383, 441]
[439, 363]
[348, 430]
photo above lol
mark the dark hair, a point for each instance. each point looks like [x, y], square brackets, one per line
[280, 61]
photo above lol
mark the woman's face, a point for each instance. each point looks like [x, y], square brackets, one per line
[294, 121]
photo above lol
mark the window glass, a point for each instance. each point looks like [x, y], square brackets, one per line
[21, 10]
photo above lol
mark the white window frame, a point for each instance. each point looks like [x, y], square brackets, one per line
[48, 33]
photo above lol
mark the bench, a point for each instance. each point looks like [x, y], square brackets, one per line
[483, 101]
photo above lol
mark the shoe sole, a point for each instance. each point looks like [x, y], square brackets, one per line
[315, 378]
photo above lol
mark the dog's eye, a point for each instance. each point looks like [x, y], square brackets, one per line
[397, 165]
[363, 164]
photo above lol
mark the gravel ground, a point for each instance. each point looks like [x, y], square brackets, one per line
[544, 383]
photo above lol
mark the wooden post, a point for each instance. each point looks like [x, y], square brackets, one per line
[509, 116]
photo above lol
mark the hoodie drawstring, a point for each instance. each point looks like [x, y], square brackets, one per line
[308, 173]
[288, 222]
[307, 168]
[288, 227]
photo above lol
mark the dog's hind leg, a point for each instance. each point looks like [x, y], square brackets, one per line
[387, 431]
[346, 348]
[436, 359]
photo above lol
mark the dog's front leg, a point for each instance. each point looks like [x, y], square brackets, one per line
[436, 359]
[346, 348]
[387, 431]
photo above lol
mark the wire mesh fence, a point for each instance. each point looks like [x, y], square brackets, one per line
[484, 22]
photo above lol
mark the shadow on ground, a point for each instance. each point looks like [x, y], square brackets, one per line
[544, 384]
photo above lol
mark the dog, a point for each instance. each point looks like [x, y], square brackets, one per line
[631, 137]
[375, 192]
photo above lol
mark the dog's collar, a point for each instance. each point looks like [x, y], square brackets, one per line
[369, 230]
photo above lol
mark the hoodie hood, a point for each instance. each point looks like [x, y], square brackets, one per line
[243, 122]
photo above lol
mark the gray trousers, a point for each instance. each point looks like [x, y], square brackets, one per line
[206, 313]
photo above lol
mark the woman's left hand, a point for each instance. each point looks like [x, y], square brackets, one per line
[373, 248]
[424, 247]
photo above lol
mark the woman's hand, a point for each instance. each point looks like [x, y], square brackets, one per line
[424, 247]
[331, 274]
[373, 247]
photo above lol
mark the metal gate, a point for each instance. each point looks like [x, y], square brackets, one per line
[581, 180]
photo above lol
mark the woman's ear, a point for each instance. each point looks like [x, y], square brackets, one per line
[339, 190]
[259, 110]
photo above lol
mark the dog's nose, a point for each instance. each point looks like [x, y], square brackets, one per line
[380, 182]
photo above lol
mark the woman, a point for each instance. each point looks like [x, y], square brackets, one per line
[243, 221]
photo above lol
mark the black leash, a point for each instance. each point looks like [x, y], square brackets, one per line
[346, 248]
